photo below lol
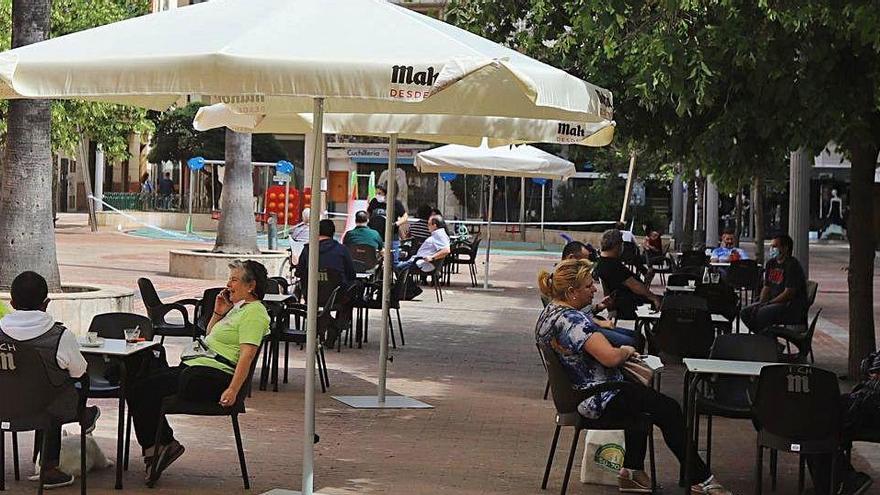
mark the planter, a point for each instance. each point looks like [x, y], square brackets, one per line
[78, 304]
[205, 265]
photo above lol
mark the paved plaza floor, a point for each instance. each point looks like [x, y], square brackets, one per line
[472, 357]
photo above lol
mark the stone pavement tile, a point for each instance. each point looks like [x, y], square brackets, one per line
[472, 357]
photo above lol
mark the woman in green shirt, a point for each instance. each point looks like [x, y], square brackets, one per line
[236, 329]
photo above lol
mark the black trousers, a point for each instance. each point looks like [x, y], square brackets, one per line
[758, 316]
[820, 464]
[144, 397]
[666, 414]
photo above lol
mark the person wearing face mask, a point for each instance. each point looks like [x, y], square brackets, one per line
[590, 360]
[378, 209]
[783, 299]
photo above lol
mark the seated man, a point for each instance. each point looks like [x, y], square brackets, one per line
[727, 251]
[361, 234]
[576, 250]
[418, 227]
[332, 255]
[29, 325]
[783, 298]
[625, 290]
[300, 231]
[861, 415]
[434, 248]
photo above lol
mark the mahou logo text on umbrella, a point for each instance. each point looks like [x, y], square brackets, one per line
[412, 83]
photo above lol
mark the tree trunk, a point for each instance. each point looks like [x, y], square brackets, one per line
[237, 232]
[27, 237]
[688, 231]
[862, 246]
[758, 216]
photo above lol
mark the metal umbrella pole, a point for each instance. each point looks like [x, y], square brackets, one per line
[189, 220]
[380, 400]
[286, 204]
[489, 231]
[308, 474]
[543, 185]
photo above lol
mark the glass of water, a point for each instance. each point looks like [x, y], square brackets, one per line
[715, 277]
[132, 334]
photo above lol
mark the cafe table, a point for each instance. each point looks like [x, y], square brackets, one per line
[117, 349]
[697, 370]
[647, 317]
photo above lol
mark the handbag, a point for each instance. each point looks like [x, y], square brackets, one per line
[637, 370]
[198, 349]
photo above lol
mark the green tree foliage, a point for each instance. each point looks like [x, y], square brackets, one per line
[176, 140]
[74, 120]
[729, 87]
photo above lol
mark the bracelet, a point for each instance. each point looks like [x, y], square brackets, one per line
[218, 314]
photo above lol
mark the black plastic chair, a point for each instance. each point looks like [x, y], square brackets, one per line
[693, 259]
[661, 265]
[685, 328]
[205, 309]
[107, 377]
[796, 409]
[801, 336]
[366, 255]
[174, 405]
[372, 299]
[466, 254]
[288, 326]
[157, 311]
[729, 396]
[24, 377]
[566, 399]
[745, 277]
[721, 299]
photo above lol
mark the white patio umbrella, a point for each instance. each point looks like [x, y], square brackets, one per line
[245, 52]
[509, 161]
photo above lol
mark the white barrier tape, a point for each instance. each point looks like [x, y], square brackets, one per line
[135, 220]
[483, 222]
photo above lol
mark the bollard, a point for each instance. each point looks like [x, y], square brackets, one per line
[273, 231]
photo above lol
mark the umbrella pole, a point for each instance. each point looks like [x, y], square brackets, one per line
[312, 304]
[286, 204]
[489, 231]
[390, 218]
[189, 218]
[522, 207]
[542, 215]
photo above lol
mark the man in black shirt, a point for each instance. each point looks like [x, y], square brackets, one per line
[784, 296]
[377, 209]
[625, 290]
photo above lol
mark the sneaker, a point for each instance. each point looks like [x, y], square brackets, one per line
[165, 456]
[856, 484]
[631, 481]
[55, 478]
[89, 419]
[710, 487]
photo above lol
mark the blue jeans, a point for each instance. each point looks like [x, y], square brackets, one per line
[619, 336]
[395, 251]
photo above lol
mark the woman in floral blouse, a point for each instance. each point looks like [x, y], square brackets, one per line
[589, 359]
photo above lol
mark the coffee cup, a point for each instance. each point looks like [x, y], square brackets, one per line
[92, 337]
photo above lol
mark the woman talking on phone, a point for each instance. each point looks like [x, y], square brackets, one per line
[213, 370]
[589, 359]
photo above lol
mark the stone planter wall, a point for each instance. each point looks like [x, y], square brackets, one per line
[203, 264]
[76, 307]
[162, 219]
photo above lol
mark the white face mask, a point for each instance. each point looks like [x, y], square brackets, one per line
[380, 198]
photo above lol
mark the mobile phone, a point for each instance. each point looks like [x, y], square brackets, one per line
[226, 294]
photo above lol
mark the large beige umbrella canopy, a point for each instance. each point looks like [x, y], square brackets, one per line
[248, 52]
[243, 51]
[508, 161]
[467, 130]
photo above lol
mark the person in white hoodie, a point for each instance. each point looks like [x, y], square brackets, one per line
[30, 326]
